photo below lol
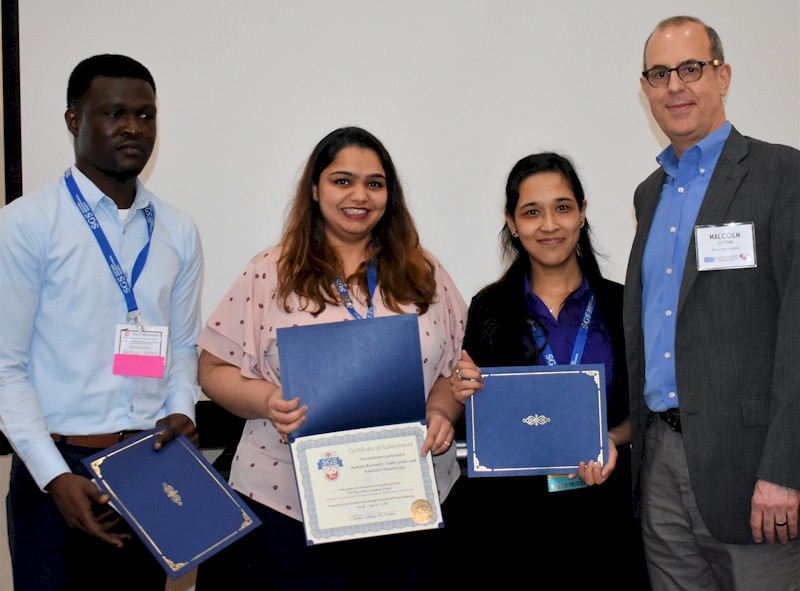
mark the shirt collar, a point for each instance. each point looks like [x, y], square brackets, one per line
[706, 152]
[93, 195]
[532, 298]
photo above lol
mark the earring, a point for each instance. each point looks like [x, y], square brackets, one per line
[582, 223]
[514, 233]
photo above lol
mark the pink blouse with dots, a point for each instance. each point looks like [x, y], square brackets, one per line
[242, 331]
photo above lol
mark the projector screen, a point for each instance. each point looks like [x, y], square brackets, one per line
[458, 91]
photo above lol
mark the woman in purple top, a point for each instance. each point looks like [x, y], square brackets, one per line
[532, 316]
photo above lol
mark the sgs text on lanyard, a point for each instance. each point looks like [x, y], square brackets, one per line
[113, 264]
[372, 281]
[580, 340]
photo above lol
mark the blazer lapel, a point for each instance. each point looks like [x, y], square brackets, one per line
[725, 181]
[650, 190]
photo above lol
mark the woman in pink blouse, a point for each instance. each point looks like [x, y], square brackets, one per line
[348, 216]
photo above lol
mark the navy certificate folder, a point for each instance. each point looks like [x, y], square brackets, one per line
[536, 420]
[175, 501]
[355, 373]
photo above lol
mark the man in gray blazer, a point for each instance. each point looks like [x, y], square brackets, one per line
[712, 326]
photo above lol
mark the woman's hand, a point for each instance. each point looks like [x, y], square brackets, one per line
[593, 472]
[286, 415]
[466, 378]
[442, 411]
[440, 433]
[249, 398]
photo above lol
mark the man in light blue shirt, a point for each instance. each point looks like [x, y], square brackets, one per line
[101, 286]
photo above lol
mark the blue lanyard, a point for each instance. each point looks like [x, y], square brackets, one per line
[108, 252]
[372, 281]
[580, 340]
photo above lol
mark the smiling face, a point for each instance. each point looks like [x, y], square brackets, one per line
[548, 220]
[687, 112]
[352, 196]
[114, 127]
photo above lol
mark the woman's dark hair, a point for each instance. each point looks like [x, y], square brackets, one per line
[308, 265]
[514, 252]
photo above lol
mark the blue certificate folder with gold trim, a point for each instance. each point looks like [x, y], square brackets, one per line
[175, 501]
[536, 420]
[352, 374]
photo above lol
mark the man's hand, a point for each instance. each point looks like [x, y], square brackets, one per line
[774, 513]
[173, 425]
[76, 497]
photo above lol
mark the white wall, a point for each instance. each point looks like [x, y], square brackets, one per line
[458, 91]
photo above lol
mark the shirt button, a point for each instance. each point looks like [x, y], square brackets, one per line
[669, 271]
[667, 355]
[673, 229]
[668, 313]
[680, 189]
[672, 394]
[702, 171]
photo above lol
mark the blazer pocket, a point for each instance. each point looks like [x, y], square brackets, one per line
[755, 411]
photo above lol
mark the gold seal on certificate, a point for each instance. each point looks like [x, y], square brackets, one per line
[421, 511]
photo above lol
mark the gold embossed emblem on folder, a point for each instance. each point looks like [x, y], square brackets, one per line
[172, 494]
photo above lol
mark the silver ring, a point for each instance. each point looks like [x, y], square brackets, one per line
[458, 374]
[781, 524]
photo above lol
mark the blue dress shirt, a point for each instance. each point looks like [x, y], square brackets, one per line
[665, 255]
[60, 307]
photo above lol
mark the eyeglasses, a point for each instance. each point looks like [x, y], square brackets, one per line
[658, 77]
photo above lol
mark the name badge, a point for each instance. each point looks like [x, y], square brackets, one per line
[729, 246]
[560, 482]
[140, 353]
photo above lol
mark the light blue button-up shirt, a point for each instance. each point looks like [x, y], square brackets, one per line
[665, 256]
[61, 305]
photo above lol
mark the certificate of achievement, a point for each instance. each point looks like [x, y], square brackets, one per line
[173, 499]
[365, 482]
[536, 420]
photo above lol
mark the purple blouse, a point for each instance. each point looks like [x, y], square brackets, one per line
[561, 333]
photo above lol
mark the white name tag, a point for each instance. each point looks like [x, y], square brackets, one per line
[729, 246]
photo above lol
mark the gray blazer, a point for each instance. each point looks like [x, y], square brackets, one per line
[737, 349]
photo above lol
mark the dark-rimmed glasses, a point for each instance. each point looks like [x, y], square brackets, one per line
[658, 77]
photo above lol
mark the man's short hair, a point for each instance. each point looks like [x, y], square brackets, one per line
[112, 65]
[676, 21]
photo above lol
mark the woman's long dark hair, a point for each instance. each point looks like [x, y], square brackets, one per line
[308, 266]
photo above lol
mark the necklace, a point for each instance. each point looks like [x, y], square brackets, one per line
[559, 299]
